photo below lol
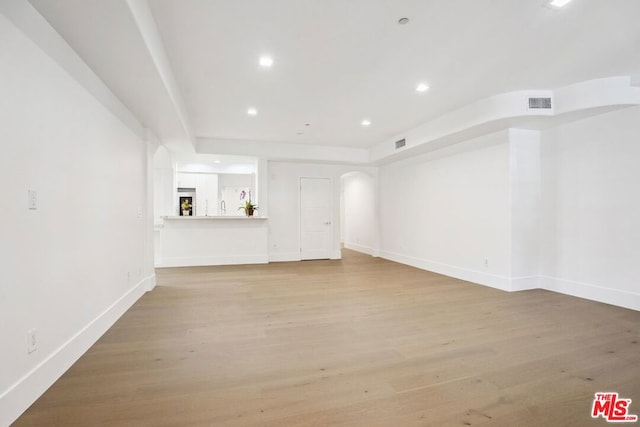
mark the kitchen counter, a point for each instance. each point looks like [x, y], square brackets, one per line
[225, 217]
[186, 241]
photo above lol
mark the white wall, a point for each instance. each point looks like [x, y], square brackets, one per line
[556, 210]
[359, 210]
[236, 181]
[283, 201]
[164, 195]
[524, 200]
[591, 208]
[448, 211]
[164, 191]
[74, 265]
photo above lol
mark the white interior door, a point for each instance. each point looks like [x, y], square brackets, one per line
[315, 218]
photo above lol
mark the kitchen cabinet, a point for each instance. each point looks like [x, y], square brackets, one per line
[186, 179]
[206, 185]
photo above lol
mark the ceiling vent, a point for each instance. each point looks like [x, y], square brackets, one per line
[540, 103]
[401, 143]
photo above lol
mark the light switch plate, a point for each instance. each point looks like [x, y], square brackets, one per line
[33, 199]
[31, 341]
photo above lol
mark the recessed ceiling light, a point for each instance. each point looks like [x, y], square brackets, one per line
[252, 111]
[422, 87]
[217, 161]
[307, 124]
[403, 21]
[559, 3]
[366, 122]
[266, 61]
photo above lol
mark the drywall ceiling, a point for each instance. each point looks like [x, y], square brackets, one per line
[338, 62]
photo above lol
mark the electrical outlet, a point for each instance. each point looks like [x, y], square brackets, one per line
[486, 262]
[128, 277]
[32, 343]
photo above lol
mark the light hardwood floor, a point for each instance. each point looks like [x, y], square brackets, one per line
[358, 342]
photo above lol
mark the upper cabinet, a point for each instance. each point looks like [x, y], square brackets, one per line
[186, 180]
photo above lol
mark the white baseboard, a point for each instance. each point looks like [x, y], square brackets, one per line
[18, 397]
[284, 257]
[588, 291]
[495, 281]
[525, 283]
[592, 292]
[359, 248]
[151, 282]
[295, 256]
[214, 260]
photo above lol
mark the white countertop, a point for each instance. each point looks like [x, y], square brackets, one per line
[224, 217]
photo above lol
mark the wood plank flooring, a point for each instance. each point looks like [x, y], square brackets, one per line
[356, 342]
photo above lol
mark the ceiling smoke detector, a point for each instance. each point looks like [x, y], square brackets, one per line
[403, 21]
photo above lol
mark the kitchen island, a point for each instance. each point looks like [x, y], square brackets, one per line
[184, 241]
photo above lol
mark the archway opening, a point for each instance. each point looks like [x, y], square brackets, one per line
[358, 214]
